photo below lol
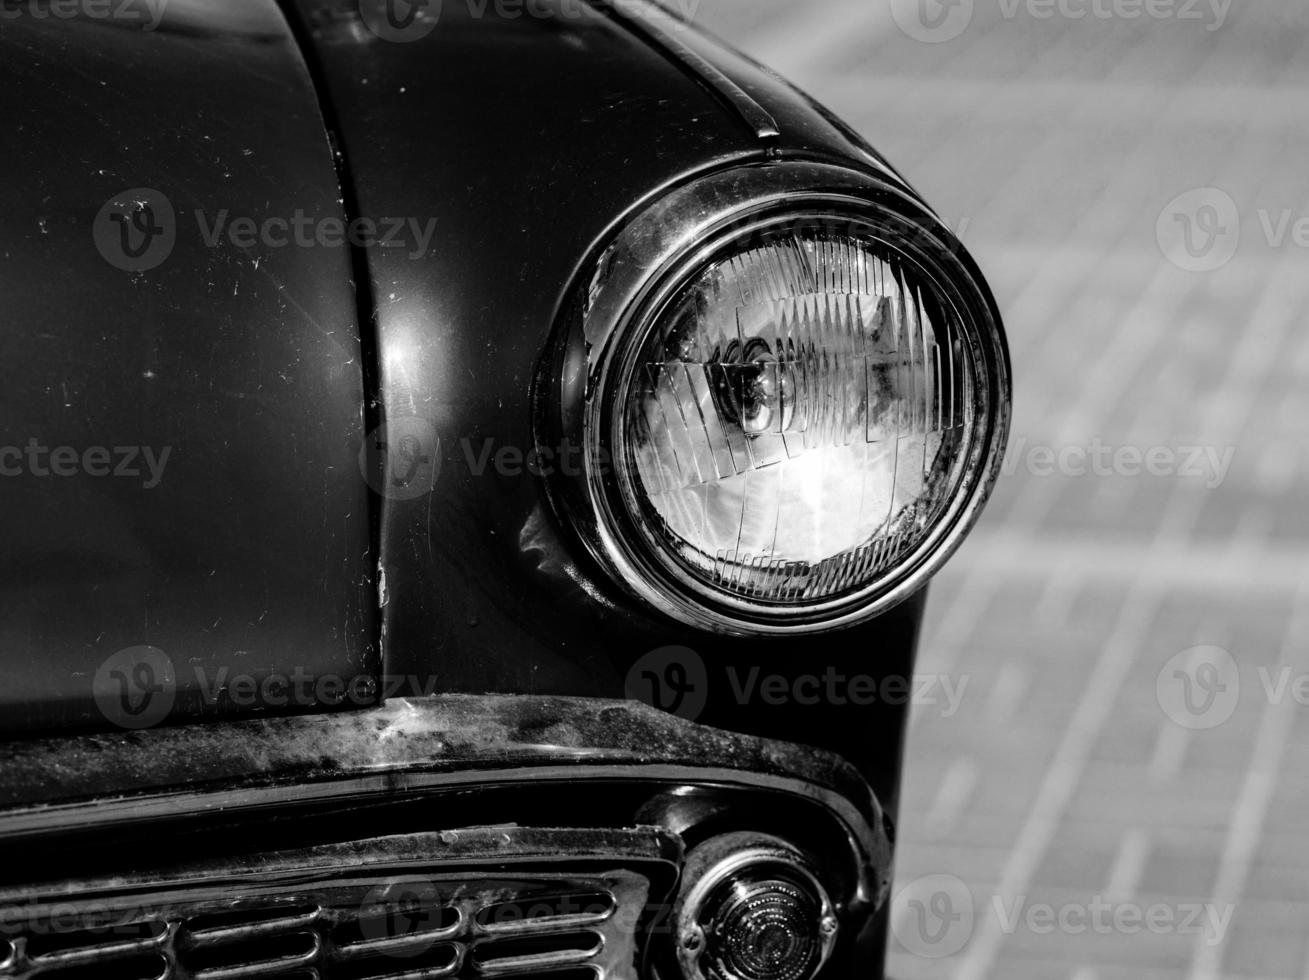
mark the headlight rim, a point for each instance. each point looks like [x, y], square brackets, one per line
[666, 245]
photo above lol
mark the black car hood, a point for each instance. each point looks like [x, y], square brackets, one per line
[207, 410]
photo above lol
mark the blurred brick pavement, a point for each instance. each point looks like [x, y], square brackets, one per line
[1074, 772]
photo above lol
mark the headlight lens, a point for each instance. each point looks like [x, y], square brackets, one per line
[795, 420]
[792, 390]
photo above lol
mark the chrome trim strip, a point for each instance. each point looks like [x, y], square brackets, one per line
[451, 742]
[867, 838]
[471, 850]
[217, 937]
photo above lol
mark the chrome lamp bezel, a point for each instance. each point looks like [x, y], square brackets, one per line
[646, 263]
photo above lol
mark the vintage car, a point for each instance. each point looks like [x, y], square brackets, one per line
[471, 475]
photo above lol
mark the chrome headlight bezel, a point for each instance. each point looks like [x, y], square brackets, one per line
[646, 263]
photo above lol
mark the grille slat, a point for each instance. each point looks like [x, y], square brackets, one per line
[258, 961]
[541, 963]
[367, 934]
[265, 968]
[560, 913]
[502, 958]
[436, 973]
[142, 936]
[150, 967]
[396, 946]
[55, 954]
[95, 954]
[216, 936]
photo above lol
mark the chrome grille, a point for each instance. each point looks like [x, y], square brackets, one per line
[317, 922]
[353, 934]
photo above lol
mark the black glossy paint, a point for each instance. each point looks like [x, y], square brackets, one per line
[252, 552]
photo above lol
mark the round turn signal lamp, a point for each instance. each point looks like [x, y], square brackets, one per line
[752, 910]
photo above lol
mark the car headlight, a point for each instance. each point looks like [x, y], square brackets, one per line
[791, 389]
